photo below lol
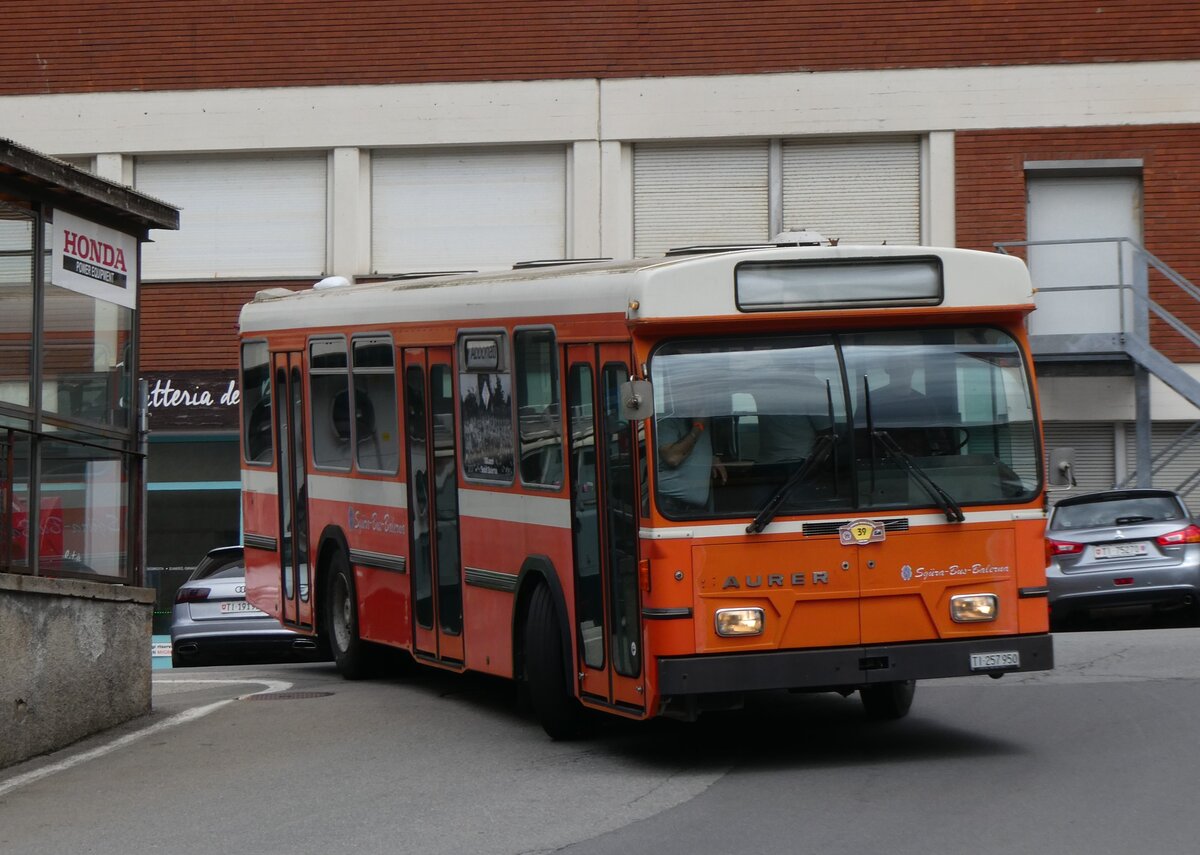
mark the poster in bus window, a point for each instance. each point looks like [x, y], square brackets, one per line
[486, 408]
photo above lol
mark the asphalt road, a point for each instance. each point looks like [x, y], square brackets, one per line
[1097, 756]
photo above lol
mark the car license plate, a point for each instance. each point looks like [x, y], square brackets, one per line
[240, 607]
[1120, 550]
[1000, 659]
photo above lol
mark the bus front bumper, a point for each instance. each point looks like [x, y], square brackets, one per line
[842, 667]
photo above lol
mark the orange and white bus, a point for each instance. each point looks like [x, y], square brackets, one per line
[650, 487]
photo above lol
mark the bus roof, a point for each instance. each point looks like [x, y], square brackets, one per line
[684, 286]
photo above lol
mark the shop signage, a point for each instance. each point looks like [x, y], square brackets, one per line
[187, 400]
[94, 260]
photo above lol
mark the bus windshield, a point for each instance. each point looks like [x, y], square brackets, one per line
[882, 415]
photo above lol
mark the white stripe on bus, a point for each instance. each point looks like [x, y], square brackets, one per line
[361, 491]
[697, 531]
[515, 508]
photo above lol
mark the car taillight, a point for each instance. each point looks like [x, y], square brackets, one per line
[191, 595]
[1191, 534]
[1062, 547]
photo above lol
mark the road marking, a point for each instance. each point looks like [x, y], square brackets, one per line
[7, 786]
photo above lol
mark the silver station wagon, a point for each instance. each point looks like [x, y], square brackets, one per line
[213, 623]
[1122, 548]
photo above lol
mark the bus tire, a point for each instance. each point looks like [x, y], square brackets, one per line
[350, 652]
[888, 701]
[560, 714]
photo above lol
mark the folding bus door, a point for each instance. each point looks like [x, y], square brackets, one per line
[604, 507]
[293, 492]
[437, 594]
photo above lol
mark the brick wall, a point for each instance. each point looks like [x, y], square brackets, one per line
[194, 326]
[991, 197]
[121, 45]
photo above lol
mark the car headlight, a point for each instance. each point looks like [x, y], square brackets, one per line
[735, 622]
[972, 608]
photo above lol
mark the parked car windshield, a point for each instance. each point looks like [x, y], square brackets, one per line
[956, 402]
[1116, 510]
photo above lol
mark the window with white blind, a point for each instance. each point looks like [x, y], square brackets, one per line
[689, 194]
[467, 209]
[855, 191]
[241, 215]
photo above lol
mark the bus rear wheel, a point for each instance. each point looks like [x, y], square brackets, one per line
[350, 652]
[888, 701]
[560, 714]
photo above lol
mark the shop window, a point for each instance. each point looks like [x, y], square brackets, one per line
[14, 504]
[84, 493]
[16, 296]
[86, 358]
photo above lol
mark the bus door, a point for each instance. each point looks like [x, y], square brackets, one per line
[436, 572]
[604, 510]
[293, 492]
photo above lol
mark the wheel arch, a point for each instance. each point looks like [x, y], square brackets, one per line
[332, 539]
[537, 570]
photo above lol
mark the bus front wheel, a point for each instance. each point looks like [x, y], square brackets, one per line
[349, 650]
[888, 701]
[560, 714]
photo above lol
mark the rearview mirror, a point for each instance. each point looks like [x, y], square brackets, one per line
[637, 400]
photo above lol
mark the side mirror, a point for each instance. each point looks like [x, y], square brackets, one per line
[637, 400]
[1062, 469]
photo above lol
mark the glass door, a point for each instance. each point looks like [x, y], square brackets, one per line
[604, 506]
[433, 504]
[293, 492]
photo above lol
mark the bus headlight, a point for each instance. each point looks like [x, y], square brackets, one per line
[734, 622]
[971, 608]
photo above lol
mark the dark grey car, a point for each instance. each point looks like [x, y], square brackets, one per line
[212, 621]
[1122, 548]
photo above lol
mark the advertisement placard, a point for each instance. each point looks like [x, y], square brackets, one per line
[94, 260]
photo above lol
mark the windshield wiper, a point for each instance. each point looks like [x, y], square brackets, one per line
[944, 500]
[822, 446]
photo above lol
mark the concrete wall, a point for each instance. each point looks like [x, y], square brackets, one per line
[74, 660]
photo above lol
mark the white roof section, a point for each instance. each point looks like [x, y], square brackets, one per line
[664, 288]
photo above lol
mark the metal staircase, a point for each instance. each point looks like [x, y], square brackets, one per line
[1130, 339]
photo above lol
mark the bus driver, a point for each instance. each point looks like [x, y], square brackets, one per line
[686, 464]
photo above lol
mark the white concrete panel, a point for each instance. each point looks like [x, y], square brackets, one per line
[303, 117]
[583, 208]
[914, 101]
[349, 239]
[937, 190]
[1110, 399]
[901, 101]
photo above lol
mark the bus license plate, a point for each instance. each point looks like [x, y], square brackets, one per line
[1001, 659]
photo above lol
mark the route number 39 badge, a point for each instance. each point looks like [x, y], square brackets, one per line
[859, 532]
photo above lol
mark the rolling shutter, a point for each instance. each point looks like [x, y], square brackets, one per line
[241, 216]
[698, 194]
[467, 209]
[1170, 474]
[857, 191]
[1095, 461]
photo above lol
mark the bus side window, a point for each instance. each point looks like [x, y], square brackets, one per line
[329, 389]
[257, 438]
[376, 433]
[539, 418]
